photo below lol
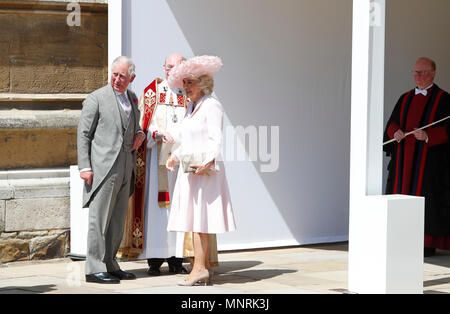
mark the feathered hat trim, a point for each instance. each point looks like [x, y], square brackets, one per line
[194, 68]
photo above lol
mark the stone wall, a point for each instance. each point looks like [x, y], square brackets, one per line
[46, 64]
[38, 138]
[47, 68]
[34, 208]
[41, 53]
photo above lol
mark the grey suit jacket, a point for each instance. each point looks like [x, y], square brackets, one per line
[100, 136]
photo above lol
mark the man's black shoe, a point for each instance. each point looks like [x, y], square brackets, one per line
[122, 275]
[102, 278]
[177, 270]
[154, 271]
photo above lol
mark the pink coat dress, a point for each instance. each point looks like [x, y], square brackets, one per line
[202, 203]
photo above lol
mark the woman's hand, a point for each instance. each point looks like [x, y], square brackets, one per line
[201, 170]
[170, 164]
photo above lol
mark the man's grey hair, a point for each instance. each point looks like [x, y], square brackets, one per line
[126, 60]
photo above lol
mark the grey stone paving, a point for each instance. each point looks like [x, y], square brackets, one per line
[318, 269]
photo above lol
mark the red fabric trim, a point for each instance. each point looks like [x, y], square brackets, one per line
[163, 197]
[437, 136]
[150, 107]
[153, 134]
[433, 112]
[151, 86]
[137, 231]
[425, 149]
[393, 127]
[398, 146]
[422, 168]
[438, 242]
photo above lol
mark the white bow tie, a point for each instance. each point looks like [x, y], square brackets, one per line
[421, 91]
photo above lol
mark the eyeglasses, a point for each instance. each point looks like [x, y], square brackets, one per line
[168, 67]
[420, 73]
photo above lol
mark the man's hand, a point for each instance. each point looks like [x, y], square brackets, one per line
[420, 135]
[87, 176]
[138, 139]
[399, 135]
[165, 137]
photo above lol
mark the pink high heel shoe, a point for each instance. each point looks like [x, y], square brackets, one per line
[202, 278]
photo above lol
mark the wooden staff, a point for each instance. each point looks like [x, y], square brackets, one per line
[424, 127]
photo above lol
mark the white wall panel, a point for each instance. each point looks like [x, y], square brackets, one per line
[287, 67]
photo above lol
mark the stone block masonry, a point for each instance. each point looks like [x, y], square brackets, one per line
[41, 53]
[38, 139]
[34, 209]
[47, 67]
[36, 214]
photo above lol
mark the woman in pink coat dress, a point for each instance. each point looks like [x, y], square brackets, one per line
[201, 200]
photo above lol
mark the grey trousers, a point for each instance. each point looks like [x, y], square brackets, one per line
[107, 212]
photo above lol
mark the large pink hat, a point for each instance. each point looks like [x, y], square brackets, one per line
[194, 68]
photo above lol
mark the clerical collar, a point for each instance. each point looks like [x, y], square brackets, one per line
[165, 87]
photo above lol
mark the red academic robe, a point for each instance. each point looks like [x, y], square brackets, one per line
[419, 168]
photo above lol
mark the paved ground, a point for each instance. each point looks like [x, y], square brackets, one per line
[318, 269]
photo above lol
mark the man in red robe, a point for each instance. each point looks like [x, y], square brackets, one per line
[420, 162]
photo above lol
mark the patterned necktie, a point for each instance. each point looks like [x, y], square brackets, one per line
[125, 104]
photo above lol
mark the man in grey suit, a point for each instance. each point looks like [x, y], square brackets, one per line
[108, 135]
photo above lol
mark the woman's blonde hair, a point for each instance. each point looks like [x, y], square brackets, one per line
[206, 84]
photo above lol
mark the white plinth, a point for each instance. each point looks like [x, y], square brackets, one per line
[386, 245]
[79, 216]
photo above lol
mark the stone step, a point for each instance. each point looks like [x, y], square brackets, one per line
[44, 173]
[35, 183]
[9, 101]
[34, 204]
[39, 119]
[9, 97]
[38, 138]
[37, 199]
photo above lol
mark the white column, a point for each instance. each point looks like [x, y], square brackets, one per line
[79, 217]
[375, 126]
[115, 24]
[386, 232]
[360, 100]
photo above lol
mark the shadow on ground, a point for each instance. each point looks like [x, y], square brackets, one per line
[227, 271]
[28, 289]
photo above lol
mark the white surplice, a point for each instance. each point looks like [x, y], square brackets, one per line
[158, 242]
